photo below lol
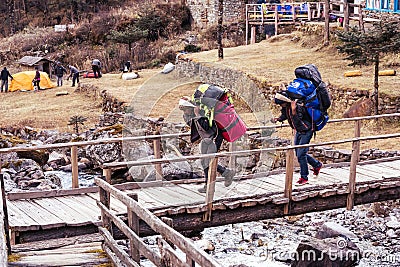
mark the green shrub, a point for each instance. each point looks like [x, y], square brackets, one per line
[190, 48]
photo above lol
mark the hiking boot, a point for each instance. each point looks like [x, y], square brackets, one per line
[228, 175]
[317, 169]
[302, 181]
[202, 189]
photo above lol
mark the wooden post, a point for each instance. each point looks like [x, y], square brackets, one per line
[157, 155]
[220, 19]
[133, 222]
[212, 177]
[309, 14]
[232, 159]
[288, 178]
[105, 200]
[346, 18]
[262, 14]
[276, 20]
[253, 35]
[247, 26]
[5, 214]
[74, 166]
[293, 10]
[357, 133]
[326, 15]
[352, 179]
[360, 18]
[107, 175]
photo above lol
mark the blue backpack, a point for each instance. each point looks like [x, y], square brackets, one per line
[306, 92]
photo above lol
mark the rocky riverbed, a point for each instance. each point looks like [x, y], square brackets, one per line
[373, 229]
[376, 230]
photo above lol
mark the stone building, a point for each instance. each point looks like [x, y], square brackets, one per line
[205, 12]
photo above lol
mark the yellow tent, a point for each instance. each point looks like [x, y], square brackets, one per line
[23, 81]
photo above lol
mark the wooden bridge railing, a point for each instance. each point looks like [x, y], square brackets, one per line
[348, 13]
[107, 168]
[260, 14]
[5, 244]
[167, 257]
[290, 151]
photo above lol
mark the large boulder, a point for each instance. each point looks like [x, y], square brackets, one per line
[40, 156]
[362, 107]
[331, 229]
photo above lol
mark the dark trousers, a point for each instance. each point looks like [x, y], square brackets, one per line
[37, 84]
[301, 153]
[75, 78]
[213, 148]
[4, 83]
[96, 71]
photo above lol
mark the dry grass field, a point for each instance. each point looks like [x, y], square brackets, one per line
[276, 59]
[45, 110]
[273, 60]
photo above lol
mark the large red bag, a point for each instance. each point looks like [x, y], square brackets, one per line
[228, 121]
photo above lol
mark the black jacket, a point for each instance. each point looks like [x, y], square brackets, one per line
[60, 70]
[5, 74]
[300, 121]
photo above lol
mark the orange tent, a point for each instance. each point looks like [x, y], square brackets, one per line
[23, 81]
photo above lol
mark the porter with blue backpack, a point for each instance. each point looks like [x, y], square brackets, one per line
[309, 89]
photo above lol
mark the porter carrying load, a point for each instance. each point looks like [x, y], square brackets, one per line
[309, 90]
[218, 106]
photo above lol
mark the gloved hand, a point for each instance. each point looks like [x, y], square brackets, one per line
[274, 120]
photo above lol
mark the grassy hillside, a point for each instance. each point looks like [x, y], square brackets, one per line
[146, 33]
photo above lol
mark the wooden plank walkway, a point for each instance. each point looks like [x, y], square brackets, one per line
[38, 214]
[85, 254]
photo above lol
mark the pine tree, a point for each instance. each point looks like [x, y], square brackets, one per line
[76, 121]
[128, 35]
[369, 47]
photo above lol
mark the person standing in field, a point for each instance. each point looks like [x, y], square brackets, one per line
[4, 79]
[60, 70]
[96, 67]
[36, 80]
[74, 73]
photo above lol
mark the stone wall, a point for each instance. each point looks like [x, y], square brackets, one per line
[205, 12]
[260, 93]
[109, 103]
[238, 82]
[251, 88]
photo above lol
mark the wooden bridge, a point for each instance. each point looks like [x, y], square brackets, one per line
[297, 13]
[171, 207]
